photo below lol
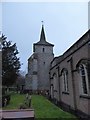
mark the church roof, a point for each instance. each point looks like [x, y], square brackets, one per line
[43, 39]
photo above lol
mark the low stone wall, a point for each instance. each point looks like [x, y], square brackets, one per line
[24, 114]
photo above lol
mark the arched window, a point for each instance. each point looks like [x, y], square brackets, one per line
[65, 80]
[84, 78]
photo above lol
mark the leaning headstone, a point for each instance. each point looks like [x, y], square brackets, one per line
[29, 101]
[5, 102]
[27, 96]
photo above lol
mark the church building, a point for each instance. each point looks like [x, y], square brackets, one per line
[39, 64]
[70, 78]
[66, 77]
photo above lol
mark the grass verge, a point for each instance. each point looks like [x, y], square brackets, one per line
[44, 109]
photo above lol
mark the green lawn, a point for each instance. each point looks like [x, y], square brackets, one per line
[16, 100]
[43, 107]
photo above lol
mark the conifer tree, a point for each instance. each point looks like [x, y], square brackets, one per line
[10, 62]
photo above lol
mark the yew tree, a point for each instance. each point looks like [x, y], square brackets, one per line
[10, 62]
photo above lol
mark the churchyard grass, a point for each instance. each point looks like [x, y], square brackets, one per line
[45, 109]
[15, 102]
[42, 106]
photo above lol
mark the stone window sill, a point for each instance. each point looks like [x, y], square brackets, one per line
[85, 96]
[65, 93]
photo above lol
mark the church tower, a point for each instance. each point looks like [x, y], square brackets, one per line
[39, 64]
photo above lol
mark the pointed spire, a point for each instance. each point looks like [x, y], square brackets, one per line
[42, 36]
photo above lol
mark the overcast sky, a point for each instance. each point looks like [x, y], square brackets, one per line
[64, 22]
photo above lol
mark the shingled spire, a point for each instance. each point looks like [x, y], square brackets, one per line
[42, 36]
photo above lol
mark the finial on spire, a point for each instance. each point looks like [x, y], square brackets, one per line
[42, 22]
[42, 36]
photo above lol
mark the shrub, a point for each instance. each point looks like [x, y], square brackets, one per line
[23, 106]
